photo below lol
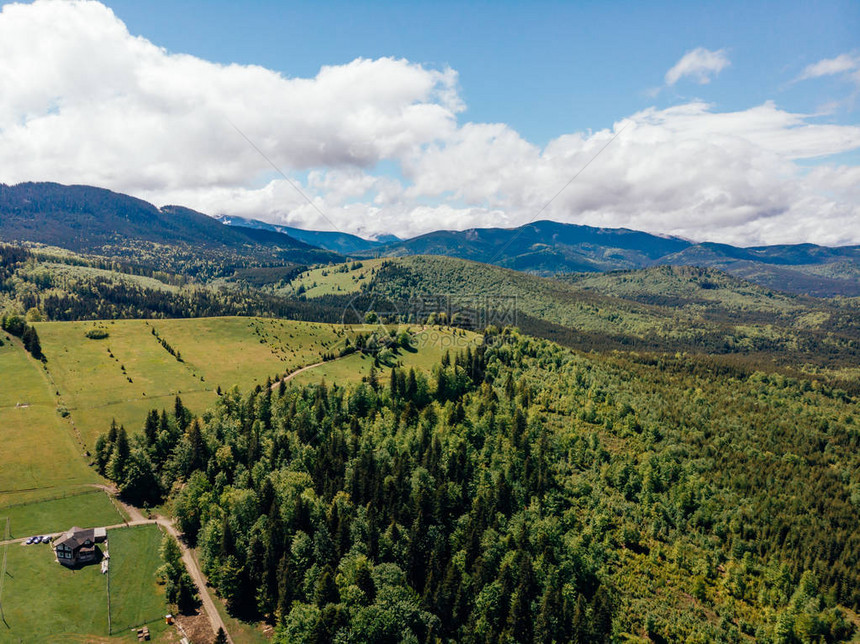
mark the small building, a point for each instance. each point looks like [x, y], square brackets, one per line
[78, 546]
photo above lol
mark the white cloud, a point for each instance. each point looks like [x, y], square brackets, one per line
[377, 146]
[833, 66]
[700, 64]
[685, 170]
[82, 94]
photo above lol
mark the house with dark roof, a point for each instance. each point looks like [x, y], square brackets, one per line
[78, 546]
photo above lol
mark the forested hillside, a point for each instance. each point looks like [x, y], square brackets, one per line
[548, 247]
[53, 285]
[662, 308]
[523, 492]
[95, 220]
[656, 309]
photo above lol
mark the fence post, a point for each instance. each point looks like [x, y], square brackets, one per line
[110, 627]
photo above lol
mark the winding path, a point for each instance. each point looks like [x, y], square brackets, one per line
[295, 373]
[136, 518]
[188, 559]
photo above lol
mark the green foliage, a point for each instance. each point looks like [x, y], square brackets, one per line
[179, 588]
[523, 493]
[662, 309]
[16, 325]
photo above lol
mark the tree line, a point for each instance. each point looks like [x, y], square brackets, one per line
[519, 492]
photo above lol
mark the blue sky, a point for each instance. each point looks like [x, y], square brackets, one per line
[733, 122]
[545, 68]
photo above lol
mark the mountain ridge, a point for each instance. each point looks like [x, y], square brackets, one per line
[335, 241]
[86, 218]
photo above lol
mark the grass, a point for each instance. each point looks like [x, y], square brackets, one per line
[39, 454]
[333, 280]
[429, 346]
[135, 597]
[42, 600]
[46, 602]
[128, 373]
[67, 271]
[90, 509]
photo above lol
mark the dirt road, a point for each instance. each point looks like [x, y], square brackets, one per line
[187, 558]
[295, 373]
[136, 518]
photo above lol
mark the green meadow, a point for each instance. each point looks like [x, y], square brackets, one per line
[39, 455]
[428, 347]
[135, 597]
[129, 372]
[86, 383]
[124, 375]
[85, 509]
[340, 279]
[46, 602]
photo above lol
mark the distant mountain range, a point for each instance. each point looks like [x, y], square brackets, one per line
[544, 247]
[88, 219]
[548, 248]
[85, 218]
[338, 242]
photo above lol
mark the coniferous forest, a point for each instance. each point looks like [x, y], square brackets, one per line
[522, 492]
[429, 323]
[659, 455]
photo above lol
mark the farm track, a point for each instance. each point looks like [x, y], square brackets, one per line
[295, 373]
[136, 518]
[188, 558]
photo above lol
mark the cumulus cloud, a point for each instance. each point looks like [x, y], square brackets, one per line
[81, 93]
[377, 145]
[700, 65]
[685, 170]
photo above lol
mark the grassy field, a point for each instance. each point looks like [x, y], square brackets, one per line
[67, 271]
[46, 602]
[130, 372]
[135, 597]
[39, 455]
[429, 346]
[334, 280]
[42, 599]
[89, 509]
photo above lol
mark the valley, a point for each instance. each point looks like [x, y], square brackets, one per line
[429, 323]
[428, 445]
